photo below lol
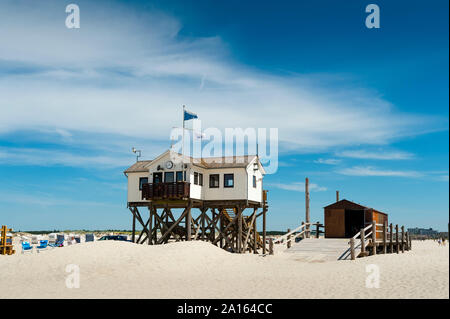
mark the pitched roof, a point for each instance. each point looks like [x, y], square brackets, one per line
[208, 162]
[224, 161]
[346, 204]
[139, 166]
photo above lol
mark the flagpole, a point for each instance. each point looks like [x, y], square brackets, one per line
[182, 150]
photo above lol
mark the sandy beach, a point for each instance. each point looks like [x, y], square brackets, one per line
[198, 269]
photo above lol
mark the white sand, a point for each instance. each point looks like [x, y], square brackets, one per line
[201, 270]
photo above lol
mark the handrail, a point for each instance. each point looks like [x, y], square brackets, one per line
[288, 237]
[280, 239]
[359, 233]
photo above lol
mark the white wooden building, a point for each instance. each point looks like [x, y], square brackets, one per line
[208, 179]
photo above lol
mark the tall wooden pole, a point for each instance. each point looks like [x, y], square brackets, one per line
[337, 196]
[307, 217]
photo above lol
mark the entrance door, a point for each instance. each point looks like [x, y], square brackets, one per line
[157, 178]
[354, 221]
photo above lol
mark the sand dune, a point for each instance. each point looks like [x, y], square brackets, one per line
[201, 270]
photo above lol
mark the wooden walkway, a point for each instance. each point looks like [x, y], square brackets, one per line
[320, 250]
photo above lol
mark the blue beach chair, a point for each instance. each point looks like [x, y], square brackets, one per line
[59, 243]
[26, 247]
[42, 245]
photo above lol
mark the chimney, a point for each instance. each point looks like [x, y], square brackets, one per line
[337, 196]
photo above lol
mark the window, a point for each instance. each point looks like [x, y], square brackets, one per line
[179, 176]
[169, 177]
[200, 179]
[228, 180]
[142, 181]
[157, 178]
[254, 181]
[195, 178]
[214, 181]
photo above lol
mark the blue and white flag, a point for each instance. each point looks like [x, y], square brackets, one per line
[189, 115]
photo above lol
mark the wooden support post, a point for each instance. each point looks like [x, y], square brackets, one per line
[264, 230]
[188, 224]
[255, 235]
[213, 230]
[270, 246]
[239, 234]
[407, 241]
[374, 237]
[352, 248]
[203, 212]
[363, 243]
[391, 238]
[397, 244]
[304, 230]
[385, 237]
[307, 220]
[150, 225]
[317, 230]
[133, 235]
[288, 239]
[403, 239]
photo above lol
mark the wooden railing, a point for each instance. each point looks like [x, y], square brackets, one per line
[390, 241]
[304, 230]
[176, 190]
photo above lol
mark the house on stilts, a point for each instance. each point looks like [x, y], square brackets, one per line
[199, 199]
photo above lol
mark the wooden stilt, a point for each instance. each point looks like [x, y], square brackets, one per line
[133, 235]
[391, 238]
[385, 237]
[255, 235]
[397, 244]
[374, 237]
[363, 243]
[352, 248]
[264, 230]
[288, 239]
[270, 246]
[403, 239]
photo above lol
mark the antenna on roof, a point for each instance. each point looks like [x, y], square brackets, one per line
[137, 152]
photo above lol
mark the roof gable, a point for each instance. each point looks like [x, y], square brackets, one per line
[346, 204]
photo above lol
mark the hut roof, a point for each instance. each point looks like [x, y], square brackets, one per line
[346, 204]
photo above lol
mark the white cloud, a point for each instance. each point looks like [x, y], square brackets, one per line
[372, 171]
[297, 187]
[45, 157]
[377, 155]
[126, 73]
[327, 161]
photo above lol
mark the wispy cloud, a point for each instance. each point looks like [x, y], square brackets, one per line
[328, 161]
[127, 73]
[376, 155]
[43, 157]
[372, 171]
[297, 187]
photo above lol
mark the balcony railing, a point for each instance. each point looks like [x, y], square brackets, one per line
[177, 190]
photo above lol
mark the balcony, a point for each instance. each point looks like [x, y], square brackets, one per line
[177, 190]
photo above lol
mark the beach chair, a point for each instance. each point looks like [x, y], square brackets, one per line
[59, 243]
[42, 245]
[26, 247]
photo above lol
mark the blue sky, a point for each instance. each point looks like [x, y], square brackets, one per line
[363, 111]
